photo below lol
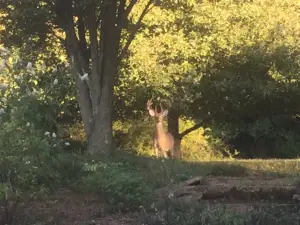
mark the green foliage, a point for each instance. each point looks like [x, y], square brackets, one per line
[128, 181]
[34, 157]
[45, 90]
[122, 186]
[31, 148]
[203, 145]
[137, 136]
[233, 64]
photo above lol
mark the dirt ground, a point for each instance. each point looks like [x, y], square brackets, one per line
[66, 207]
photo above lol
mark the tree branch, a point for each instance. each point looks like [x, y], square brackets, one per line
[82, 41]
[189, 130]
[92, 27]
[129, 8]
[137, 26]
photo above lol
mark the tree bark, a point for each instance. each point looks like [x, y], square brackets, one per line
[84, 102]
[101, 139]
[173, 128]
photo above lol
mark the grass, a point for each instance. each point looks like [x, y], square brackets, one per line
[161, 172]
[222, 215]
[127, 182]
[257, 167]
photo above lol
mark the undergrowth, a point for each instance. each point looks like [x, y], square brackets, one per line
[202, 214]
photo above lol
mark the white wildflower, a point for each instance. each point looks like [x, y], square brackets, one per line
[55, 82]
[54, 135]
[29, 66]
[1, 111]
[171, 195]
[54, 146]
[84, 77]
[27, 162]
[27, 124]
[67, 64]
[67, 144]
[54, 70]
[3, 86]
[47, 133]
[296, 197]
[34, 91]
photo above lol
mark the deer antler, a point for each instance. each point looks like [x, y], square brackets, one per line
[161, 110]
[155, 110]
[149, 104]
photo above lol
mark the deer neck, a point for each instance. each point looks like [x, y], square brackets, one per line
[160, 128]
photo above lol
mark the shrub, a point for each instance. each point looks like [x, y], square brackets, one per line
[30, 147]
[121, 184]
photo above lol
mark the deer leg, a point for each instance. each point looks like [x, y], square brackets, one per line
[165, 153]
[156, 150]
[171, 153]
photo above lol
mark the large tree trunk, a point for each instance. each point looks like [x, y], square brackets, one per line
[95, 93]
[173, 128]
[104, 57]
[101, 138]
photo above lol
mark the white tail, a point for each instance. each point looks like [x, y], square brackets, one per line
[163, 141]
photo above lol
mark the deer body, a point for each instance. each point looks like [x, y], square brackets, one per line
[163, 141]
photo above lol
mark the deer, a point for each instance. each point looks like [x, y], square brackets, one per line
[163, 141]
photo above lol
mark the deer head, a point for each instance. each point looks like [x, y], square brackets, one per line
[154, 112]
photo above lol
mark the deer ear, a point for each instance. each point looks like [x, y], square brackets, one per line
[165, 113]
[151, 112]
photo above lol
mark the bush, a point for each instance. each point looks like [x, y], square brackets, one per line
[30, 147]
[34, 158]
[121, 184]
